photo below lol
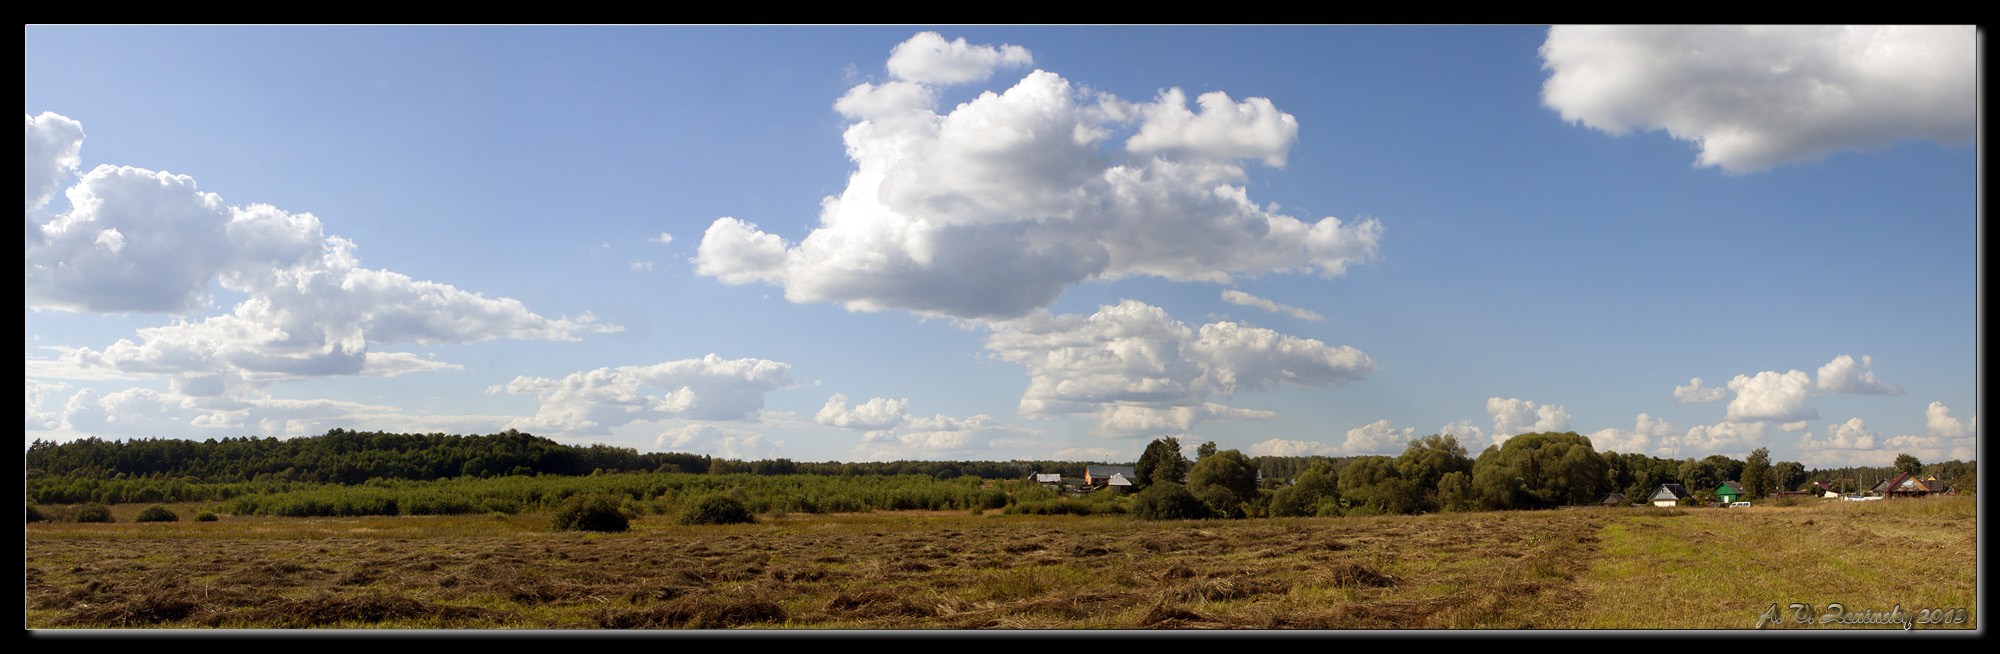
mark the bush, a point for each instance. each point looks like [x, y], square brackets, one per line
[94, 513]
[1221, 502]
[157, 513]
[1168, 501]
[590, 513]
[205, 516]
[715, 510]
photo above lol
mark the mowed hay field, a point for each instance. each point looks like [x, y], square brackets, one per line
[1577, 569]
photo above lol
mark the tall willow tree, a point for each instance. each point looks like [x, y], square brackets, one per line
[1538, 471]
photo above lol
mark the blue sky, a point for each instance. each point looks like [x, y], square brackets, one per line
[859, 243]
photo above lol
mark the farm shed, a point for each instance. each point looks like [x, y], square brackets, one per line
[1668, 495]
[1118, 481]
[1615, 500]
[1052, 481]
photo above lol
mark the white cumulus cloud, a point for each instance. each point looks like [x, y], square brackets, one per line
[54, 143]
[1770, 395]
[719, 440]
[1844, 375]
[877, 413]
[1282, 447]
[928, 58]
[1641, 438]
[594, 401]
[136, 240]
[1693, 393]
[992, 209]
[1938, 422]
[1140, 370]
[1753, 97]
[1378, 438]
[1514, 416]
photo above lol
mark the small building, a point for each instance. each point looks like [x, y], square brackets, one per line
[1668, 495]
[1908, 485]
[1051, 481]
[1728, 492]
[1119, 483]
[1615, 500]
[1096, 476]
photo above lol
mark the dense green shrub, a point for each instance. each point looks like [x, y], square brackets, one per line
[715, 509]
[1221, 501]
[157, 513]
[1168, 501]
[593, 512]
[205, 516]
[94, 513]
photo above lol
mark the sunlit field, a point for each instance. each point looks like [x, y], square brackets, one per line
[1879, 562]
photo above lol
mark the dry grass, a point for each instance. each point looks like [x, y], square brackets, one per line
[1591, 569]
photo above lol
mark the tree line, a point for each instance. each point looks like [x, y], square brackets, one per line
[1436, 473]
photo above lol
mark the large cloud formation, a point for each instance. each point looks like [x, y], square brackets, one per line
[1753, 97]
[992, 209]
[1787, 397]
[594, 401]
[1141, 372]
[893, 433]
[142, 241]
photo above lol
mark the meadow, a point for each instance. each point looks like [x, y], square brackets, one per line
[1840, 565]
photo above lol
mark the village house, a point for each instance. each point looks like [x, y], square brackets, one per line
[1908, 485]
[1728, 492]
[1614, 500]
[1096, 476]
[1668, 495]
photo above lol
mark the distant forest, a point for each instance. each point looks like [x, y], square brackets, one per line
[1551, 469]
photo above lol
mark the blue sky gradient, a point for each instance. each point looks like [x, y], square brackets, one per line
[1564, 237]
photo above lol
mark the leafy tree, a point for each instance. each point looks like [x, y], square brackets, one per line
[1700, 475]
[1788, 475]
[1726, 469]
[1229, 470]
[1221, 502]
[1161, 462]
[1455, 492]
[1202, 451]
[1909, 464]
[1372, 483]
[1167, 500]
[1539, 470]
[1426, 462]
[1318, 487]
[1757, 473]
